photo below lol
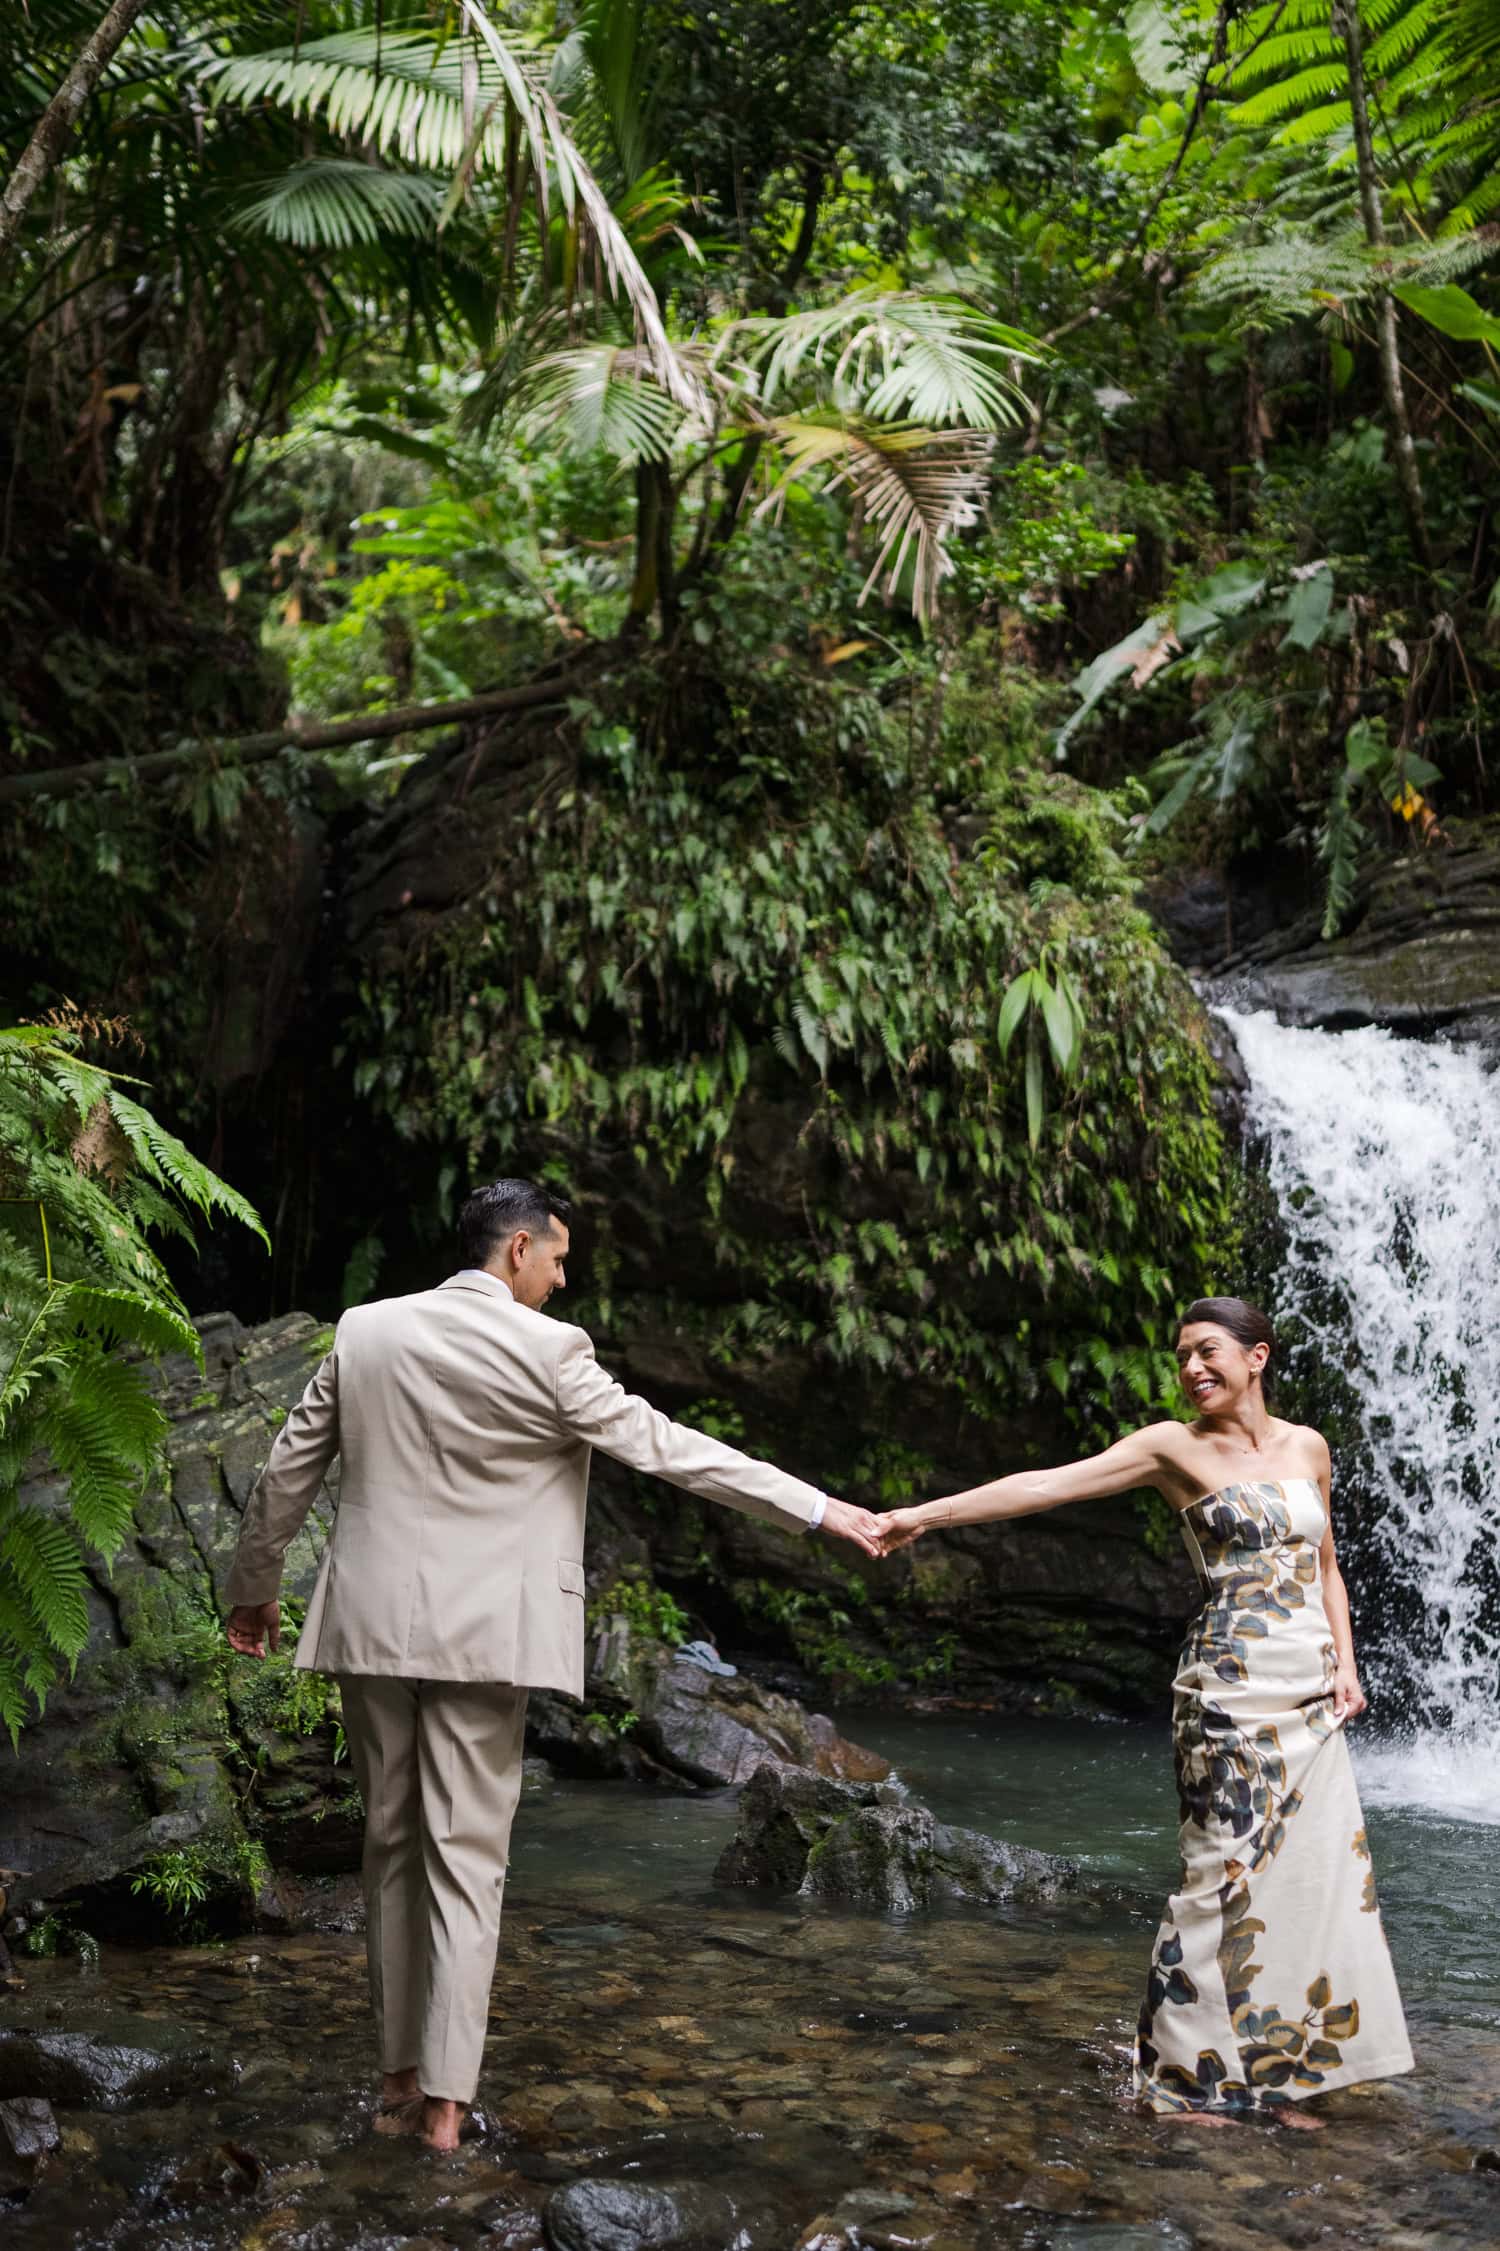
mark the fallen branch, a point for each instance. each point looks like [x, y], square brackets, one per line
[244, 750]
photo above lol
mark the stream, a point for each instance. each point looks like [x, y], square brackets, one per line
[954, 2080]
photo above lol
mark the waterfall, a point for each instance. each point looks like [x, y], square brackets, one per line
[1384, 1156]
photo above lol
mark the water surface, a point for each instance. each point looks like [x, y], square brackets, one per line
[960, 2075]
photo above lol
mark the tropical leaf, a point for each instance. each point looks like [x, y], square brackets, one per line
[904, 357]
[332, 203]
[599, 397]
[915, 488]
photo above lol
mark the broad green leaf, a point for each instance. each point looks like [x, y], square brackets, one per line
[1035, 1099]
[1451, 310]
[1013, 1007]
[1308, 605]
[1062, 1027]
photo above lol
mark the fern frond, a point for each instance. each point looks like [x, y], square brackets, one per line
[124, 1317]
[44, 1566]
[164, 1158]
[102, 1429]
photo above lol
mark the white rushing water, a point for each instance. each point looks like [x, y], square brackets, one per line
[1384, 1154]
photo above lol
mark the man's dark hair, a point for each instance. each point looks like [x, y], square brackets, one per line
[492, 1215]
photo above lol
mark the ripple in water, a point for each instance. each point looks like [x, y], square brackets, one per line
[1385, 1157]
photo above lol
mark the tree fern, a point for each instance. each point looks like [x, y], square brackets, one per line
[86, 1175]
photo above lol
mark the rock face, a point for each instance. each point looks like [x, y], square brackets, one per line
[869, 1844]
[1420, 951]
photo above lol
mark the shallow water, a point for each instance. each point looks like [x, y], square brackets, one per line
[967, 2067]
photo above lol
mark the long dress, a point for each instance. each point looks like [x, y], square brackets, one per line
[1270, 1979]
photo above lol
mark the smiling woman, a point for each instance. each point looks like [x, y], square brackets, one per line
[1274, 1852]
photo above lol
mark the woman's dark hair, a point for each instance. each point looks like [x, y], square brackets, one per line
[493, 1214]
[1244, 1322]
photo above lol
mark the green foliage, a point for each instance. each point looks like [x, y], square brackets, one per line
[670, 965]
[87, 1175]
[650, 1609]
[183, 1882]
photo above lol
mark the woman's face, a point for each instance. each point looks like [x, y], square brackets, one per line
[1214, 1369]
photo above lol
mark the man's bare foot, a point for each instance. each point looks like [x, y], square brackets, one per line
[400, 2103]
[441, 2124]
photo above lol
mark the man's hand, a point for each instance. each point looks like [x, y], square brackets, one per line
[846, 1522]
[898, 1528]
[249, 1627]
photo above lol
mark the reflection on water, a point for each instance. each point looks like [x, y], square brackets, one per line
[958, 2077]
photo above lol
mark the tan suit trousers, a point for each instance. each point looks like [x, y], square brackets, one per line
[439, 1764]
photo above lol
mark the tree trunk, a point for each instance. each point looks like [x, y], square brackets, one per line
[1347, 26]
[40, 156]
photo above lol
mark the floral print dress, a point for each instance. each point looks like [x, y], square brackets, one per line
[1270, 1980]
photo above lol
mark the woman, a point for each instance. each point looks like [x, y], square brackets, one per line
[1270, 1980]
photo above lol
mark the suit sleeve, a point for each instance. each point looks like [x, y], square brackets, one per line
[591, 1406]
[286, 1489]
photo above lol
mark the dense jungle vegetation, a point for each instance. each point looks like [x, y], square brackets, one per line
[870, 487]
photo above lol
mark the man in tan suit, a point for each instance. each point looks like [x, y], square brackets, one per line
[453, 1583]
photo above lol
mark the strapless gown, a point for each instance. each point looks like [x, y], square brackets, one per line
[1270, 1980]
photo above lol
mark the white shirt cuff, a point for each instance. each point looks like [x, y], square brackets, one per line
[820, 1510]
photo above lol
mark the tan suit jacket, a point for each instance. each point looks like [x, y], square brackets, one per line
[465, 1423]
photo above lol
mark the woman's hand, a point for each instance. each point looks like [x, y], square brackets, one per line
[898, 1528]
[1349, 1699]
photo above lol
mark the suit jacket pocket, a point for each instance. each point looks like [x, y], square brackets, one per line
[569, 1576]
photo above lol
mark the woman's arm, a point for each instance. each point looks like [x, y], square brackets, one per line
[1136, 1460]
[1349, 1699]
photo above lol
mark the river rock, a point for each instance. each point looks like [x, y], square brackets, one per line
[117, 2063]
[28, 2132]
[873, 1845]
[604, 2215]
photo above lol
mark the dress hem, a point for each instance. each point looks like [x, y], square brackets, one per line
[1385, 2068]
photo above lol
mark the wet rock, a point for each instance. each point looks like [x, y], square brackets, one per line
[667, 1720]
[215, 2176]
[599, 2215]
[1419, 950]
[28, 2132]
[512, 2227]
[870, 1844]
[108, 2068]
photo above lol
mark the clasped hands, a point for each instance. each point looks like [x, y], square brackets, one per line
[878, 1532]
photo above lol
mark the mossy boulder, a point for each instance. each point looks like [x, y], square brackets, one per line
[873, 1846]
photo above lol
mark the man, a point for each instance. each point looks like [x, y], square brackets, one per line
[454, 1583]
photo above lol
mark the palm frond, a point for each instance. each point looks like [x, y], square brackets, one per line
[332, 203]
[901, 355]
[915, 487]
[457, 109]
[599, 397]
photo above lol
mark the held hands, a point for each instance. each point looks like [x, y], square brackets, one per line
[1349, 1699]
[846, 1522]
[250, 1626]
[899, 1527]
